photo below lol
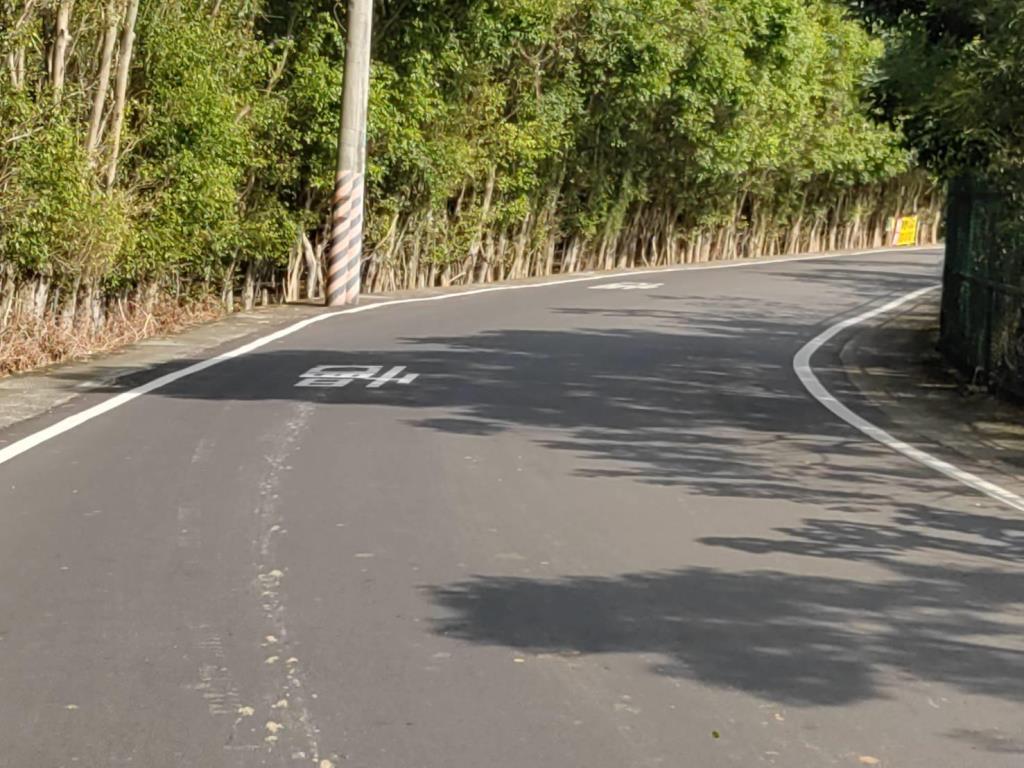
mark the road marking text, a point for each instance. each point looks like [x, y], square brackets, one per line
[337, 376]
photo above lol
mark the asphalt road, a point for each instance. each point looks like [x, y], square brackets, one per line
[601, 528]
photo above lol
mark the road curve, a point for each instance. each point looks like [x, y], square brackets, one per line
[598, 524]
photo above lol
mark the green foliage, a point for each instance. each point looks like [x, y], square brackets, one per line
[535, 121]
[206, 147]
[629, 100]
[953, 79]
[56, 219]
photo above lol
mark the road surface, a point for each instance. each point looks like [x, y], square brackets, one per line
[592, 524]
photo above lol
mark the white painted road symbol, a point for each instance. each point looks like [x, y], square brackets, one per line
[625, 286]
[337, 376]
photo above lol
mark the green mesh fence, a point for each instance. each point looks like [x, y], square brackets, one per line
[983, 291]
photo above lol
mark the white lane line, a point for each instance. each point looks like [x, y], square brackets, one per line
[802, 366]
[66, 425]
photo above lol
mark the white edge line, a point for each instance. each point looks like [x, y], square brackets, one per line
[71, 422]
[802, 366]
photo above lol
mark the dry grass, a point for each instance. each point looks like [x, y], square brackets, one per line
[27, 345]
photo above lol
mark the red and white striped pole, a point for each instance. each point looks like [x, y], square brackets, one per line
[344, 257]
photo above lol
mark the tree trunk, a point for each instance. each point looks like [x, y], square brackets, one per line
[414, 259]
[124, 63]
[16, 64]
[485, 212]
[312, 268]
[58, 54]
[249, 287]
[293, 273]
[227, 290]
[99, 98]
[39, 297]
[8, 291]
[70, 310]
[321, 266]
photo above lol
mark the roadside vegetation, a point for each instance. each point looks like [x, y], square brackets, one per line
[160, 159]
[952, 82]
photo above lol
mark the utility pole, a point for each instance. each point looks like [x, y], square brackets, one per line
[345, 254]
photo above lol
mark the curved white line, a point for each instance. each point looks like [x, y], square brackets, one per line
[802, 366]
[65, 425]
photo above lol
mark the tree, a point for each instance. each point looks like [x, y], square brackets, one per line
[953, 79]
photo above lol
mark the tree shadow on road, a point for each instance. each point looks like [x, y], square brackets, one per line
[985, 539]
[795, 639]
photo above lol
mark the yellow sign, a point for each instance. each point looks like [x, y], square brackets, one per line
[906, 230]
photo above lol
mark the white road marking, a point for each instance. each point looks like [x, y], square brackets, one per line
[392, 375]
[626, 287]
[338, 376]
[19, 447]
[802, 366]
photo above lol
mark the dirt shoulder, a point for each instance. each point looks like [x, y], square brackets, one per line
[895, 364]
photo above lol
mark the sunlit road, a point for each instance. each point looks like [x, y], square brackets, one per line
[594, 524]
